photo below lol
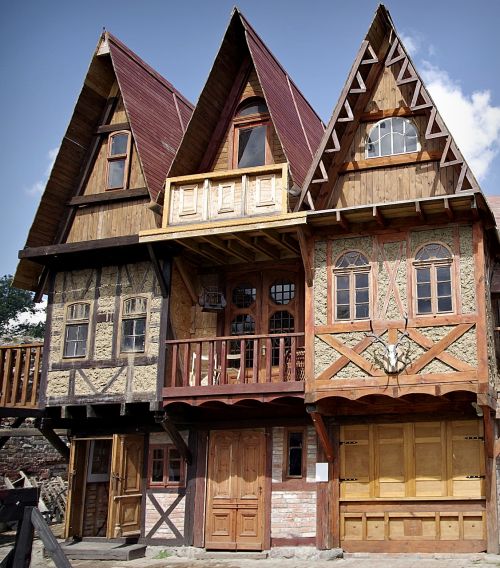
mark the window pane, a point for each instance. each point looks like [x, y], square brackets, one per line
[283, 291]
[398, 125]
[71, 332]
[118, 144]
[252, 147]
[342, 282]
[423, 275]
[133, 334]
[253, 107]
[398, 144]
[244, 295]
[295, 443]
[362, 296]
[362, 280]
[157, 465]
[385, 145]
[423, 290]
[343, 312]
[444, 288]
[343, 297]
[411, 144]
[424, 306]
[116, 173]
[174, 465]
[443, 273]
[362, 311]
[444, 304]
[373, 149]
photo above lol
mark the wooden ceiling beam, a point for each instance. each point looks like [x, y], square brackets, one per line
[254, 244]
[303, 235]
[195, 247]
[281, 241]
[342, 221]
[235, 251]
[377, 215]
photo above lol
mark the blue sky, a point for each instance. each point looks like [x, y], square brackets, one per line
[46, 46]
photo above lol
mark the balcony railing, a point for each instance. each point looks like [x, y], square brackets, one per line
[242, 362]
[224, 195]
[20, 369]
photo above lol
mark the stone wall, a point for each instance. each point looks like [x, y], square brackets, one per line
[293, 511]
[105, 373]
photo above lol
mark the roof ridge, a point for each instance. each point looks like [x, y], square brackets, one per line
[150, 70]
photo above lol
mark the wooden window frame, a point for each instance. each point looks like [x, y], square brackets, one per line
[251, 121]
[433, 264]
[167, 448]
[286, 453]
[76, 322]
[390, 119]
[351, 273]
[125, 317]
[117, 157]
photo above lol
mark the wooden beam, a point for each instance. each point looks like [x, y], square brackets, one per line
[377, 215]
[342, 221]
[65, 248]
[321, 431]
[448, 209]
[419, 212]
[388, 161]
[54, 440]
[110, 196]
[160, 276]
[167, 424]
[254, 244]
[377, 115]
[6, 433]
[190, 287]
[27, 432]
[490, 434]
[49, 540]
[304, 235]
[106, 128]
[281, 240]
[235, 250]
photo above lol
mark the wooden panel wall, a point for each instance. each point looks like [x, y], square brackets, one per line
[223, 158]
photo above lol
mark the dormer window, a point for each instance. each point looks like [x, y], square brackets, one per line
[392, 136]
[251, 134]
[118, 160]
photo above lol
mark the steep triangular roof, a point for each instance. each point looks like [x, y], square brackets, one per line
[157, 114]
[381, 47]
[298, 127]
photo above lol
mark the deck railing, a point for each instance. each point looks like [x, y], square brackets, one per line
[237, 359]
[20, 369]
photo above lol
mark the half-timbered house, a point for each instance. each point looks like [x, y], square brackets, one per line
[264, 331]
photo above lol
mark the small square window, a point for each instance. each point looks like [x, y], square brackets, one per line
[76, 330]
[166, 466]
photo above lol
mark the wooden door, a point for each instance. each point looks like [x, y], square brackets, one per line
[235, 505]
[77, 474]
[126, 486]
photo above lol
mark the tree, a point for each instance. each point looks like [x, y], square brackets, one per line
[15, 302]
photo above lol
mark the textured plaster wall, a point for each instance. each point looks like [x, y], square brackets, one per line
[104, 371]
[391, 258]
[293, 512]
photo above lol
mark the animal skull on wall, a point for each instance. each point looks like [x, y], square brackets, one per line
[393, 360]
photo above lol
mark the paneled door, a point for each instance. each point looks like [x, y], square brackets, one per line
[125, 486]
[235, 504]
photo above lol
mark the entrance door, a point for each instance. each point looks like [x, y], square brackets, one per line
[262, 303]
[125, 495]
[235, 504]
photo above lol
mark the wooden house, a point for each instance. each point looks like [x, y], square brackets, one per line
[264, 331]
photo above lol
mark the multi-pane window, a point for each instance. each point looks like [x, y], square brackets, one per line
[433, 264]
[242, 324]
[281, 322]
[118, 159]
[166, 467]
[391, 136]
[294, 453]
[352, 287]
[134, 325]
[251, 133]
[282, 291]
[77, 329]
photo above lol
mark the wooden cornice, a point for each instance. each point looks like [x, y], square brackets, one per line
[376, 115]
[107, 128]
[109, 196]
[388, 161]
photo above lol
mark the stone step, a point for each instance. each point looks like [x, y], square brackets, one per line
[108, 550]
[225, 555]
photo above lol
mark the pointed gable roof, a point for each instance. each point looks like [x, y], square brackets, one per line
[381, 47]
[297, 126]
[157, 115]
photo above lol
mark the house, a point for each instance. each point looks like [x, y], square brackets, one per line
[290, 341]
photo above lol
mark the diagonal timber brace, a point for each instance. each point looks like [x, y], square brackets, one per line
[168, 425]
[321, 431]
[45, 427]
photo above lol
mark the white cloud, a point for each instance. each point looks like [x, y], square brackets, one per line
[27, 317]
[473, 120]
[38, 187]
[411, 43]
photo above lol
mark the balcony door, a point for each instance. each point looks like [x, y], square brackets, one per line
[262, 303]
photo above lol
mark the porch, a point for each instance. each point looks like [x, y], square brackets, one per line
[20, 370]
[236, 366]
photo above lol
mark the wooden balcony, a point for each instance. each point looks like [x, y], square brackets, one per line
[20, 370]
[235, 367]
[230, 194]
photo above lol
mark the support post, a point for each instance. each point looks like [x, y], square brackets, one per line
[490, 435]
[319, 425]
[171, 429]
[48, 432]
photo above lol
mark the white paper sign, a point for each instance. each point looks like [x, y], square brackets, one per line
[322, 471]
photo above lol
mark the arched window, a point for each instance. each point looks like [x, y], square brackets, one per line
[76, 330]
[251, 134]
[352, 286]
[134, 314]
[391, 136]
[118, 160]
[433, 279]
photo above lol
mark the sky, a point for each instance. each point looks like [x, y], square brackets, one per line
[46, 47]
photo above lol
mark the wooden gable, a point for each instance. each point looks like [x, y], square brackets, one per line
[383, 83]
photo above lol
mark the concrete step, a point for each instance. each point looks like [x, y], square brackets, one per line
[225, 555]
[107, 550]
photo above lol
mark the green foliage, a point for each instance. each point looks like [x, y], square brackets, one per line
[162, 555]
[13, 302]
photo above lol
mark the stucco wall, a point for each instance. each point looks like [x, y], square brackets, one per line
[105, 373]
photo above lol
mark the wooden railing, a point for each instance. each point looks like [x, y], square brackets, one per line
[20, 369]
[233, 360]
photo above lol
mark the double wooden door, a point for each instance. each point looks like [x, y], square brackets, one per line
[235, 490]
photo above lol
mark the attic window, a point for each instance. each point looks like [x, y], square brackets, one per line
[392, 136]
[118, 160]
[251, 134]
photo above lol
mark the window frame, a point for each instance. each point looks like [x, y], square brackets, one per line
[166, 448]
[390, 119]
[118, 157]
[433, 264]
[247, 122]
[286, 453]
[77, 322]
[135, 316]
[351, 273]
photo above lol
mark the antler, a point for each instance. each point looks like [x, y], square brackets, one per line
[404, 334]
[375, 336]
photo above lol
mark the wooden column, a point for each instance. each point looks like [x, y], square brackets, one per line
[490, 434]
[201, 483]
[323, 515]
[335, 488]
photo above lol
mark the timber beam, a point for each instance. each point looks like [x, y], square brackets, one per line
[7, 433]
[50, 435]
[168, 425]
[160, 271]
[321, 431]
[303, 235]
